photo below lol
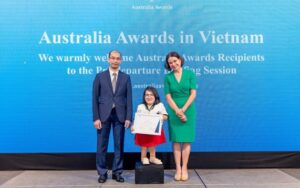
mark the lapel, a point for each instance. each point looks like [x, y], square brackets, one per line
[119, 80]
[108, 79]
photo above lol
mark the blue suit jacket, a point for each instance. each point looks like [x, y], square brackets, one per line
[103, 97]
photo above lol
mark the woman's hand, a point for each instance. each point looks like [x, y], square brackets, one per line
[181, 115]
[132, 128]
[183, 118]
[179, 112]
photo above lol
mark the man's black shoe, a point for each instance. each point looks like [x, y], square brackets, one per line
[118, 178]
[102, 178]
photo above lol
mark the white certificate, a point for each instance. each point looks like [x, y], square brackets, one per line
[147, 124]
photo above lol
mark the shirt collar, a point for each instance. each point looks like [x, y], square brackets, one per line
[111, 71]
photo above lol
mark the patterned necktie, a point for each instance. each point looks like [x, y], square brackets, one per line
[114, 82]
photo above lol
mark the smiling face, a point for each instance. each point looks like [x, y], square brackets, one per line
[149, 98]
[114, 60]
[174, 63]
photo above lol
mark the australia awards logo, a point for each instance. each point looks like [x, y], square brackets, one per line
[152, 5]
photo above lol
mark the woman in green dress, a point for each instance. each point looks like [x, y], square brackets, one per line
[180, 91]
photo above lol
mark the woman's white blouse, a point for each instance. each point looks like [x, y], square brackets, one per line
[158, 109]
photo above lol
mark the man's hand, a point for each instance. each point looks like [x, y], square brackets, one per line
[127, 124]
[97, 124]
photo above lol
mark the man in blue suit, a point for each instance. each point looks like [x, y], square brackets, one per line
[112, 108]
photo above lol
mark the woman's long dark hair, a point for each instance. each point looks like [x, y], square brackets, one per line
[156, 96]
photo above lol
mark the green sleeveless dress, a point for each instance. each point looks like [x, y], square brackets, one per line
[180, 91]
